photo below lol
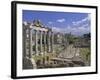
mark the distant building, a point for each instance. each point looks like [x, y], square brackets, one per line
[82, 42]
[58, 38]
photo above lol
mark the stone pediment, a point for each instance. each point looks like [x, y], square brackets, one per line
[37, 23]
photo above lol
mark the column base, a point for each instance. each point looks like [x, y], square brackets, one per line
[29, 63]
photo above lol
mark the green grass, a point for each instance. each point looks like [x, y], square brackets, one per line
[58, 49]
[86, 54]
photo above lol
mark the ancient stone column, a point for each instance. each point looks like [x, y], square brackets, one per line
[44, 41]
[52, 41]
[41, 46]
[24, 40]
[30, 43]
[28, 61]
[36, 42]
[48, 41]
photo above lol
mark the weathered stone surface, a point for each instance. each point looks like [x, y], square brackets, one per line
[29, 63]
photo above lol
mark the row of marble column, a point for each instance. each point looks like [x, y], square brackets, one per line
[46, 42]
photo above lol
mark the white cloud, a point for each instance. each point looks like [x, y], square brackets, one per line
[55, 29]
[61, 20]
[86, 25]
[88, 18]
[74, 30]
[77, 28]
[82, 26]
[50, 22]
[76, 23]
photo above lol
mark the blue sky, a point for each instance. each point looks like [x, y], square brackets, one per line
[64, 22]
